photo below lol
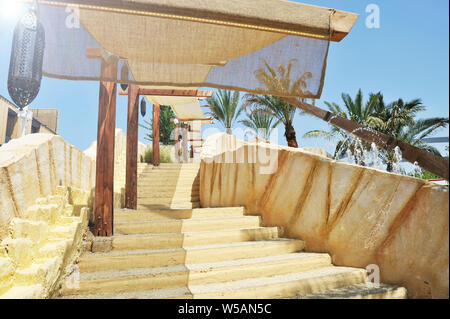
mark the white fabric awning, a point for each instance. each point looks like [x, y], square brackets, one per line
[171, 100]
[185, 108]
[232, 44]
[189, 111]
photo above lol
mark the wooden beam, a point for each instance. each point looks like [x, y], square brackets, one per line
[426, 160]
[132, 148]
[104, 180]
[169, 92]
[155, 132]
[342, 23]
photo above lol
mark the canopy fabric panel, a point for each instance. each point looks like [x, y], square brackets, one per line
[259, 46]
[171, 100]
[189, 111]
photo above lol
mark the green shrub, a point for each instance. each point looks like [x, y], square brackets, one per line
[166, 154]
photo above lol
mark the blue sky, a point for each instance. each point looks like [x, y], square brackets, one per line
[407, 57]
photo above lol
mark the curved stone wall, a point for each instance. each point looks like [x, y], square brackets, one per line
[361, 216]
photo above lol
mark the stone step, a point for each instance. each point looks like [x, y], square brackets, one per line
[166, 293]
[167, 200]
[170, 172]
[186, 191]
[169, 195]
[151, 189]
[186, 225]
[124, 215]
[122, 260]
[282, 286]
[186, 275]
[168, 166]
[152, 180]
[180, 240]
[146, 179]
[167, 182]
[361, 291]
[273, 265]
[185, 205]
[168, 187]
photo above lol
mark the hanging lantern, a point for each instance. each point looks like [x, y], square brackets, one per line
[27, 55]
[124, 76]
[143, 107]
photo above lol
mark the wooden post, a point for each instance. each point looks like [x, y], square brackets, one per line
[185, 143]
[177, 143]
[104, 181]
[132, 148]
[156, 135]
[426, 160]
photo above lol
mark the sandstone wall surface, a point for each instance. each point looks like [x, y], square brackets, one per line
[32, 167]
[46, 200]
[43, 245]
[361, 216]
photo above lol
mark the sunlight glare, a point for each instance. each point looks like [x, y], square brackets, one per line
[11, 9]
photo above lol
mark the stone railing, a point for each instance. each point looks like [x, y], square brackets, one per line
[361, 216]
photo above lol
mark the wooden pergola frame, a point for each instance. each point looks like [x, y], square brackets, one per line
[170, 92]
[134, 93]
[104, 181]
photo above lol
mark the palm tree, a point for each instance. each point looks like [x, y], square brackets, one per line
[396, 114]
[357, 111]
[224, 107]
[413, 133]
[397, 119]
[260, 123]
[166, 127]
[274, 106]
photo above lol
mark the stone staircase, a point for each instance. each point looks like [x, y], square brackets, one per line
[173, 186]
[170, 248]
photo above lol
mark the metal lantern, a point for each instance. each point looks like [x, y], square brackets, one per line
[27, 55]
[124, 76]
[143, 107]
